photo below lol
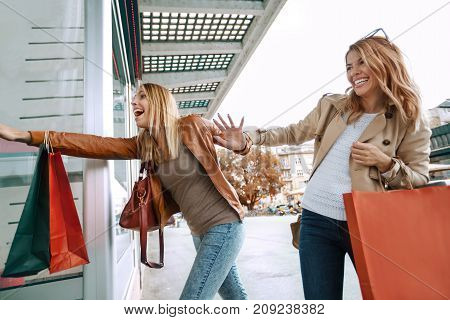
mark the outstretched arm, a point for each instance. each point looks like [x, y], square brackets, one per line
[76, 144]
[234, 139]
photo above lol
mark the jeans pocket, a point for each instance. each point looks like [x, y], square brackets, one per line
[221, 228]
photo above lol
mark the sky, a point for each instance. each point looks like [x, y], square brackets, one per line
[304, 50]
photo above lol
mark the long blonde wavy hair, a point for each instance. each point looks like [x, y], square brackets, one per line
[163, 122]
[386, 62]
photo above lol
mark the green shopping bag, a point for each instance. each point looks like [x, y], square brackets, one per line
[30, 251]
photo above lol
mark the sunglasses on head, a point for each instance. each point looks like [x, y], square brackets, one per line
[374, 32]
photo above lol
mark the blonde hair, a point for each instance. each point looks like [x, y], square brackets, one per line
[163, 122]
[386, 62]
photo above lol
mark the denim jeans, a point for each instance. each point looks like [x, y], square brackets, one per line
[323, 244]
[214, 269]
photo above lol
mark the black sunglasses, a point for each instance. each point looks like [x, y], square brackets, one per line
[374, 32]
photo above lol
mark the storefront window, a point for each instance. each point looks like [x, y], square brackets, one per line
[42, 88]
[120, 188]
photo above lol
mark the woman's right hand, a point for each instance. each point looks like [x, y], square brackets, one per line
[12, 134]
[231, 137]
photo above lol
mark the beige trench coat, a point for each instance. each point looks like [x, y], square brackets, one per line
[408, 145]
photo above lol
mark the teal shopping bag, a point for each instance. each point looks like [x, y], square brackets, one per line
[30, 251]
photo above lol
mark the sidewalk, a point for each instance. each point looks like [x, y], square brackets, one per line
[268, 263]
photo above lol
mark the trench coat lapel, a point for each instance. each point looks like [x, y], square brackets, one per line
[373, 128]
[334, 130]
[338, 125]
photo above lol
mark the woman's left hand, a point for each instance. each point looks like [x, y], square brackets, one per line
[369, 155]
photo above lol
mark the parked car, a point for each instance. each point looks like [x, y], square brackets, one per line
[284, 209]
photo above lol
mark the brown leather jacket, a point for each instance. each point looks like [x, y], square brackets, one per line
[197, 135]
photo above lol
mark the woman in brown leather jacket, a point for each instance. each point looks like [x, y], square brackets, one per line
[187, 179]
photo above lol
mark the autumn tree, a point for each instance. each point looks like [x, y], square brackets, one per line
[254, 176]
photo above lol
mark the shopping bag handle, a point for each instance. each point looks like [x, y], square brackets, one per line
[48, 142]
[438, 183]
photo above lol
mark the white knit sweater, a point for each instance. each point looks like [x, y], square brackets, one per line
[331, 180]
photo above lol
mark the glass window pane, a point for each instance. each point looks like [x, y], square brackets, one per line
[42, 88]
[120, 184]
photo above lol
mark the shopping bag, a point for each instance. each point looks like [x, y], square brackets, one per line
[29, 251]
[67, 247]
[401, 242]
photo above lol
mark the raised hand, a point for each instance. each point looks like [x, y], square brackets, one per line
[231, 137]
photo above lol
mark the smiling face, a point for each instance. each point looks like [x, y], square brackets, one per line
[360, 76]
[141, 109]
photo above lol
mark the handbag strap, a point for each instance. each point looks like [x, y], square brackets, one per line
[141, 171]
[148, 167]
[143, 239]
[143, 229]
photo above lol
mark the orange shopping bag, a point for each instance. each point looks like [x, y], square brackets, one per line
[401, 242]
[67, 247]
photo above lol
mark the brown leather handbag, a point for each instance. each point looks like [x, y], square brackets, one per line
[295, 229]
[140, 215]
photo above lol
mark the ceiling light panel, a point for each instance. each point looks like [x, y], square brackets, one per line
[193, 104]
[201, 87]
[174, 26]
[195, 62]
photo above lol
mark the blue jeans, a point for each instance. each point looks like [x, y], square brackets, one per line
[214, 269]
[323, 244]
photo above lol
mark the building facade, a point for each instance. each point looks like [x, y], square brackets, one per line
[296, 166]
[439, 115]
[439, 119]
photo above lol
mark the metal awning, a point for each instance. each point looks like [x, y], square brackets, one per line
[198, 48]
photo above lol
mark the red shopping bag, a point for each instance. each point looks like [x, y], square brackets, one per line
[67, 247]
[401, 242]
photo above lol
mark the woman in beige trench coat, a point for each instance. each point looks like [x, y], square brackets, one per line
[373, 138]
